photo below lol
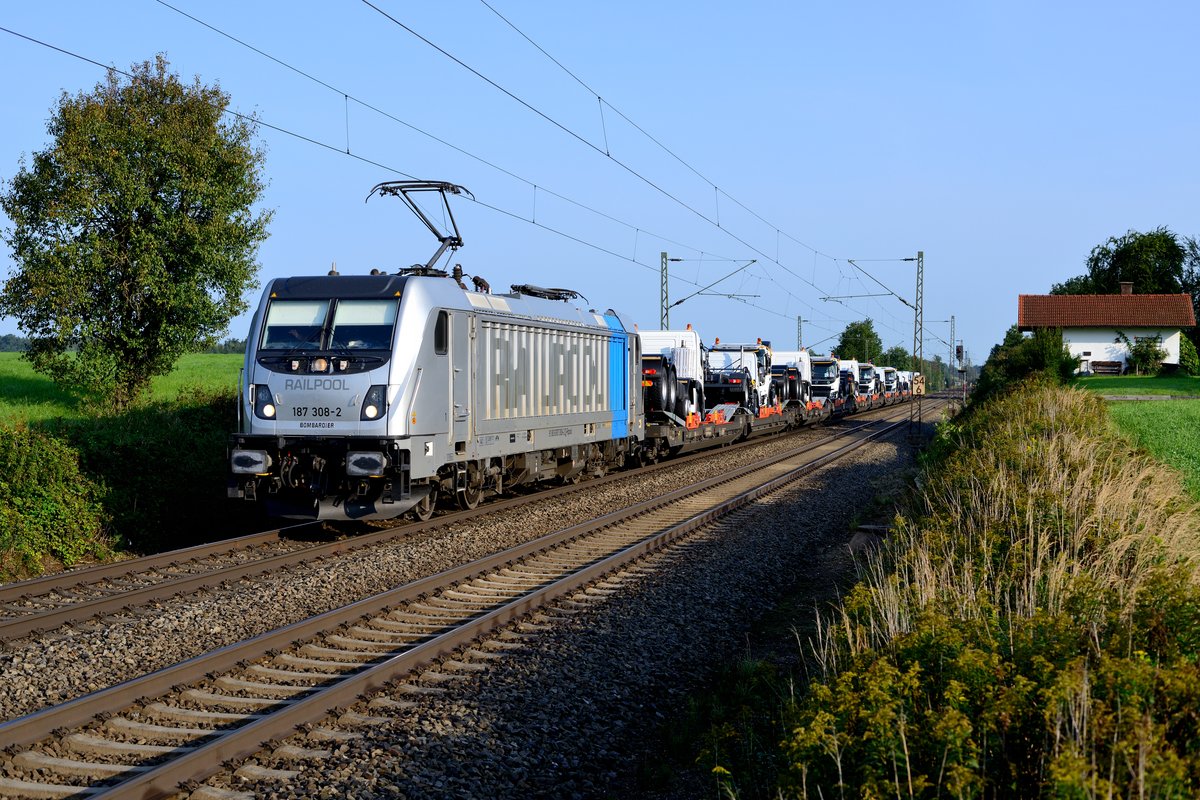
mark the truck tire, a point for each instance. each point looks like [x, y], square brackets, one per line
[670, 389]
[685, 398]
[660, 394]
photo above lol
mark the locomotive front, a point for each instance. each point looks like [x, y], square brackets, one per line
[314, 437]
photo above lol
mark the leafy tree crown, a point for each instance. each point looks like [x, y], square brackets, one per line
[860, 341]
[134, 232]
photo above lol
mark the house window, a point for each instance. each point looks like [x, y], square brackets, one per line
[1155, 338]
[1087, 352]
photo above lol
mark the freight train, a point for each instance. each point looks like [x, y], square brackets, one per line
[371, 396]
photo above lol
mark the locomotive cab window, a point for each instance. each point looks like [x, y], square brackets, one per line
[362, 325]
[441, 333]
[294, 324]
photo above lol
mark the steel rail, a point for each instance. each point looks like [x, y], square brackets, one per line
[70, 613]
[21, 590]
[245, 740]
[249, 739]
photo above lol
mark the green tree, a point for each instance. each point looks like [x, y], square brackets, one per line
[229, 346]
[935, 371]
[134, 232]
[1153, 261]
[1080, 284]
[896, 357]
[1041, 354]
[860, 341]
[1191, 281]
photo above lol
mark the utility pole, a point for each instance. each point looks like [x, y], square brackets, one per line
[664, 314]
[914, 408]
[800, 332]
[962, 371]
[950, 363]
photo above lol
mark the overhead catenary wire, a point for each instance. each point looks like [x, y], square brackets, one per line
[433, 137]
[347, 97]
[487, 162]
[335, 149]
[379, 164]
[532, 108]
[716, 189]
[582, 139]
[246, 117]
[260, 121]
[653, 138]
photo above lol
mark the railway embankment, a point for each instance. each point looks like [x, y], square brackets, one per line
[91, 487]
[1029, 626]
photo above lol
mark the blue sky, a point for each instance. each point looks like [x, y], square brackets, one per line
[1005, 140]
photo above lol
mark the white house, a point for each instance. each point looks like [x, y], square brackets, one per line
[1092, 324]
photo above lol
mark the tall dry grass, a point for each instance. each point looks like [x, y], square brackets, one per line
[1039, 501]
[1030, 628]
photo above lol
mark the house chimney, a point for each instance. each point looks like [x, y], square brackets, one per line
[1126, 287]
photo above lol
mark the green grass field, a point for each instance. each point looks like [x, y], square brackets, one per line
[1170, 430]
[1140, 384]
[28, 396]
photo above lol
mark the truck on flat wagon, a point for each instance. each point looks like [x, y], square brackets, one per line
[741, 374]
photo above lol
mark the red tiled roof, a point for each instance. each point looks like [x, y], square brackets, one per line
[1104, 311]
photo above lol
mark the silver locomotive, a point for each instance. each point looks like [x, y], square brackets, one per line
[366, 396]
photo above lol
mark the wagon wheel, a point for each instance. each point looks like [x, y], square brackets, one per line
[470, 497]
[423, 510]
[646, 456]
[472, 493]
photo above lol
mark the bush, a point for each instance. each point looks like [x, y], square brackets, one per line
[1013, 707]
[159, 465]
[148, 479]
[48, 509]
[1145, 354]
[1030, 628]
[1189, 360]
[1042, 356]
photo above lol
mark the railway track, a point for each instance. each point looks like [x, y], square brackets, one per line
[73, 598]
[146, 737]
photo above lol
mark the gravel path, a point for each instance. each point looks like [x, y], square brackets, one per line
[48, 669]
[572, 714]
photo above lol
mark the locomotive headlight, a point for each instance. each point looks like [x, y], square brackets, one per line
[263, 407]
[375, 403]
[319, 365]
[365, 464]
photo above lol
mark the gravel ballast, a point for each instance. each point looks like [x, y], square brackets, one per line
[48, 669]
[572, 714]
[565, 715]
